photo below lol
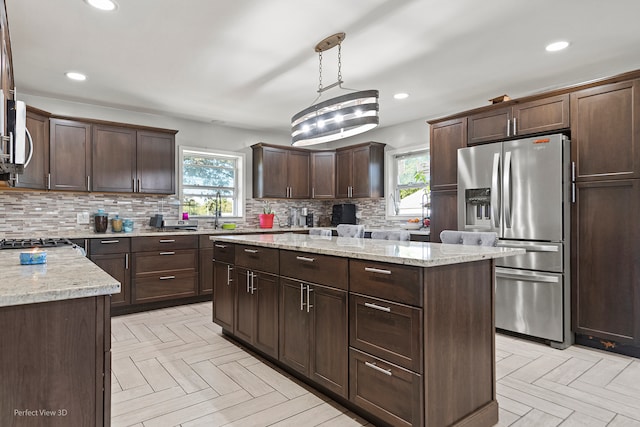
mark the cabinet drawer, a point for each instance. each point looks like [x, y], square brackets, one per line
[388, 330]
[323, 269]
[257, 258]
[109, 245]
[224, 252]
[155, 262]
[394, 282]
[162, 243]
[386, 391]
[165, 286]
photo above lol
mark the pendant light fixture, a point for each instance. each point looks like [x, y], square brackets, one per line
[346, 115]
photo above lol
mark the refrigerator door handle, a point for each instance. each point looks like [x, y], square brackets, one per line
[530, 248]
[528, 276]
[495, 185]
[506, 173]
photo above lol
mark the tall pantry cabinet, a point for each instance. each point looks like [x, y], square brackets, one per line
[605, 140]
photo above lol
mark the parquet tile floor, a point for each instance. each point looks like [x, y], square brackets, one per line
[173, 367]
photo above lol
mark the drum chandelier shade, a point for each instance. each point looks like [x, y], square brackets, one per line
[339, 117]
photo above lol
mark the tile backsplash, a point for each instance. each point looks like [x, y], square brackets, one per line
[53, 214]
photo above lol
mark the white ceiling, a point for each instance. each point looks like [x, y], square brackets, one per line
[251, 63]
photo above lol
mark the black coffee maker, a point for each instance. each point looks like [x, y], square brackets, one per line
[344, 213]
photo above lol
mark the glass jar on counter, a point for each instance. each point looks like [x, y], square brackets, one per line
[101, 221]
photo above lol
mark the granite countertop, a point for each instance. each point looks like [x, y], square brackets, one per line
[419, 254]
[89, 234]
[67, 274]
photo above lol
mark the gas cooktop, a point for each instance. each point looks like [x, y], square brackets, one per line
[33, 243]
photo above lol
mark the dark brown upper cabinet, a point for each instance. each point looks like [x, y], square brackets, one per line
[69, 155]
[519, 119]
[445, 140]
[323, 174]
[36, 173]
[605, 131]
[155, 162]
[280, 172]
[360, 171]
[113, 159]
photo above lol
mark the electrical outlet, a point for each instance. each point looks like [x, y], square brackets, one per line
[82, 217]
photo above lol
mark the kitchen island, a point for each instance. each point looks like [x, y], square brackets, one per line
[56, 341]
[401, 332]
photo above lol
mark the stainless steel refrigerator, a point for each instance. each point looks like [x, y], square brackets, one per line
[521, 190]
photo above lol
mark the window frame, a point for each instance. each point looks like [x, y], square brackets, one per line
[239, 184]
[391, 178]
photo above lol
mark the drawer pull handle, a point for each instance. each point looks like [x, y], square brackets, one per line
[378, 368]
[167, 277]
[229, 270]
[106, 242]
[377, 270]
[377, 307]
[251, 251]
[218, 245]
[167, 240]
[304, 258]
[167, 253]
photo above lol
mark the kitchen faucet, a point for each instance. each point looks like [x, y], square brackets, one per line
[218, 209]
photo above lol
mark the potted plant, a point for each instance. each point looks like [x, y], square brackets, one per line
[266, 217]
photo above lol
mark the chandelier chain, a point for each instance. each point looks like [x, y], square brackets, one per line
[320, 72]
[340, 63]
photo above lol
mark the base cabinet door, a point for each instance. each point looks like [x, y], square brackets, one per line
[224, 295]
[387, 391]
[117, 265]
[265, 288]
[329, 363]
[205, 269]
[294, 326]
[245, 311]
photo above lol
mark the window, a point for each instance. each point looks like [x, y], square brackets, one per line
[409, 179]
[205, 174]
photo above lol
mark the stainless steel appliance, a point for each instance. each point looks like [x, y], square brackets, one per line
[33, 243]
[13, 142]
[521, 190]
[344, 213]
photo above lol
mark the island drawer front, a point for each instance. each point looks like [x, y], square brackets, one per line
[394, 282]
[224, 252]
[109, 245]
[163, 243]
[322, 269]
[145, 263]
[165, 286]
[387, 391]
[386, 329]
[257, 258]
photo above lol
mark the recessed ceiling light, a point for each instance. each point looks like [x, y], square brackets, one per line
[401, 95]
[76, 76]
[107, 5]
[556, 46]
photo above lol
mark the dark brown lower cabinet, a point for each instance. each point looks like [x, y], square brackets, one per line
[444, 213]
[257, 310]
[113, 255]
[224, 295]
[55, 363]
[313, 333]
[165, 274]
[389, 392]
[117, 265]
[205, 270]
[606, 260]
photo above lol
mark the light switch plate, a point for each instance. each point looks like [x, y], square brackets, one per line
[82, 217]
